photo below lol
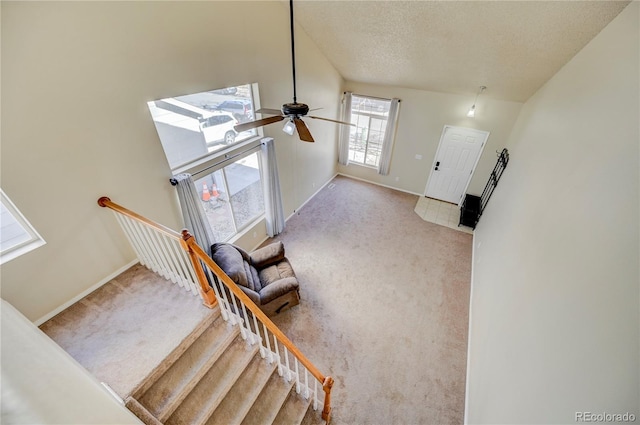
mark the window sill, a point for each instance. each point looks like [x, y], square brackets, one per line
[19, 251]
[371, 167]
[219, 156]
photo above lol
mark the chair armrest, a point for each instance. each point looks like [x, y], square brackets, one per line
[267, 255]
[278, 288]
[255, 297]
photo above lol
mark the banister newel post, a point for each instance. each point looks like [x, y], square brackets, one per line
[207, 294]
[326, 386]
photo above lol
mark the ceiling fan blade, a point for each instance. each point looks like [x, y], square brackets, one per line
[303, 131]
[336, 121]
[269, 111]
[258, 123]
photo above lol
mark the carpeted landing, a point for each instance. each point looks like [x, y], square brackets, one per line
[125, 329]
[383, 310]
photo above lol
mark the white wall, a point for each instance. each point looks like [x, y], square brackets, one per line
[554, 324]
[423, 115]
[42, 384]
[76, 77]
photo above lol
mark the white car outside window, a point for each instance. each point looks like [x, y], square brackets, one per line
[219, 127]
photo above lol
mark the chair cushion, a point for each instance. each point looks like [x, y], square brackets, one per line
[271, 274]
[230, 260]
[267, 255]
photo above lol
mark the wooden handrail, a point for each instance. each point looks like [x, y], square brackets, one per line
[107, 203]
[326, 381]
[206, 293]
[198, 255]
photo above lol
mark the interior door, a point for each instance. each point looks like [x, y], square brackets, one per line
[455, 160]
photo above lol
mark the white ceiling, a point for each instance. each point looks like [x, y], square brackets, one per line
[512, 47]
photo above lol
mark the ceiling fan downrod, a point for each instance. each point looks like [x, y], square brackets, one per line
[293, 52]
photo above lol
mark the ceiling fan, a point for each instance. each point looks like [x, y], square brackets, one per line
[291, 111]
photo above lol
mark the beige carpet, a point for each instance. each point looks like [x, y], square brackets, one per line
[384, 306]
[384, 310]
[122, 331]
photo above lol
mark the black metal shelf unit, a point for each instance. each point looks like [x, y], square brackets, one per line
[473, 206]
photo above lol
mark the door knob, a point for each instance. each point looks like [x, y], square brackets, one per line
[437, 165]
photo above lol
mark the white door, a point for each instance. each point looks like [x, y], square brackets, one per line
[456, 158]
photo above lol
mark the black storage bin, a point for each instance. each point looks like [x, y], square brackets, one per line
[470, 211]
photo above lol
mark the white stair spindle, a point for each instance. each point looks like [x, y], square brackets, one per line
[266, 338]
[236, 318]
[255, 326]
[315, 394]
[275, 342]
[286, 362]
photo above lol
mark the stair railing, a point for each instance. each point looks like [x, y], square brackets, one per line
[161, 250]
[178, 258]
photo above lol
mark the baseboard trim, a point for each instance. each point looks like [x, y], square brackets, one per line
[84, 293]
[466, 389]
[295, 211]
[380, 184]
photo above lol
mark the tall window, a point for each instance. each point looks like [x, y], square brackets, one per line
[193, 126]
[17, 236]
[197, 134]
[366, 139]
[232, 196]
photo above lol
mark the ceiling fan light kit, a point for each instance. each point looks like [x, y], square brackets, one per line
[289, 127]
[293, 111]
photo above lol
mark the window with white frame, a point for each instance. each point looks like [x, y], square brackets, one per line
[17, 235]
[366, 139]
[232, 196]
[194, 126]
[198, 137]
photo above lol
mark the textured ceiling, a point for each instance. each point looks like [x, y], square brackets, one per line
[512, 47]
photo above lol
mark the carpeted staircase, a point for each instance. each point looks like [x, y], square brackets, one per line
[216, 377]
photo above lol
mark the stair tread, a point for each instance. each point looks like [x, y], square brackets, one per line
[212, 319]
[293, 410]
[245, 391]
[271, 399]
[313, 417]
[162, 397]
[214, 385]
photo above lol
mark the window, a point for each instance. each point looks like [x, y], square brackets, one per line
[198, 137]
[366, 139]
[232, 196]
[17, 236]
[194, 126]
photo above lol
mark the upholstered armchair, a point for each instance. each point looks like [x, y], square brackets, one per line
[265, 275]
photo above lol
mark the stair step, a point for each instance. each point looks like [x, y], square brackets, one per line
[209, 392]
[271, 399]
[173, 386]
[244, 393]
[144, 386]
[293, 410]
[139, 410]
[313, 417]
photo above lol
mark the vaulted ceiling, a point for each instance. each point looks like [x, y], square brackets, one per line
[512, 47]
